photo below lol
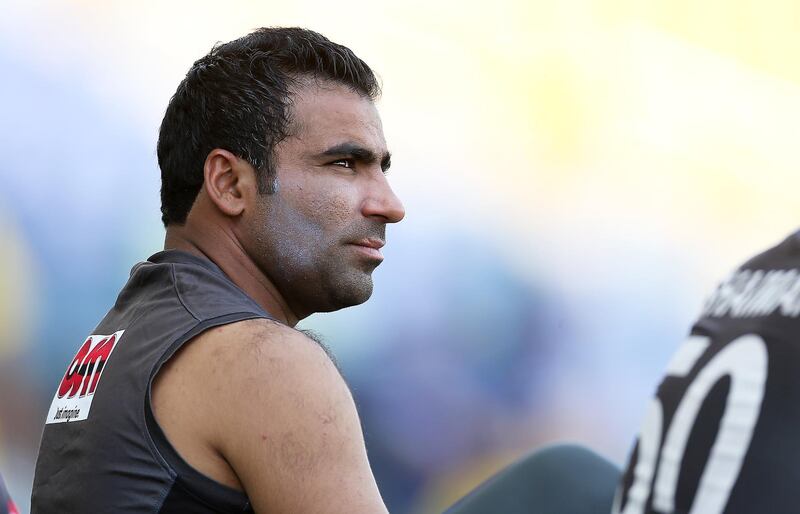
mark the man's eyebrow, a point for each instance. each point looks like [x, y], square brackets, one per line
[358, 153]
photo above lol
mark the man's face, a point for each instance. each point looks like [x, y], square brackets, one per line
[318, 237]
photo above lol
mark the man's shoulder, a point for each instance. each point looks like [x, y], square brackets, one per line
[262, 340]
[253, 355]
[286, 417]
[268, 386]
[197, 284]
[783, 255]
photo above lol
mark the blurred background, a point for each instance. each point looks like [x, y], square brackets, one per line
[577, 174]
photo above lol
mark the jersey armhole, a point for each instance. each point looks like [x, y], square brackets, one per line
[220, 497]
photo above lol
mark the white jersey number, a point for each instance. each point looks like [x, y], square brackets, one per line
[744, 360]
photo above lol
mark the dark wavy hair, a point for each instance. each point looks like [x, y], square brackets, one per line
[238, 98]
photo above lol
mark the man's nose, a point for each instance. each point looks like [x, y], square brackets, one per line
[383, 202]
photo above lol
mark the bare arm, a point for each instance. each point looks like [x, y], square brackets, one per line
[283, 419]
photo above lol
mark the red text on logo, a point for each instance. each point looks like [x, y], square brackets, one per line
[84, 371]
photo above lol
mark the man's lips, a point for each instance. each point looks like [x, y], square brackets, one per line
[371, 247]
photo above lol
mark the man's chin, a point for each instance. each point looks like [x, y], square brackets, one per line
[350, 294]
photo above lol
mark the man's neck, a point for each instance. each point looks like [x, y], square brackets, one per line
[223, 249]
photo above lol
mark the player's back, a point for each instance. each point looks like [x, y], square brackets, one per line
[102, 450]
[721, 434]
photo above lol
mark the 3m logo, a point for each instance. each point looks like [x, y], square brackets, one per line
[74, 396]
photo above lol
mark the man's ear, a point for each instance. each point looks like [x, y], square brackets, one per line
[226, 178]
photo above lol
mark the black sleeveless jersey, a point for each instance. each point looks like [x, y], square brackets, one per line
[101, 450]
[722, 434]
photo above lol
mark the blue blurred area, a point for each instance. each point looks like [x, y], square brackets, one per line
[455, 355]
[77, 180]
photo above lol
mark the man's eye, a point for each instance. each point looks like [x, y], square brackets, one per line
[345, 163]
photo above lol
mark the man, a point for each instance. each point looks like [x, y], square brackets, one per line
[721, 433]
[194, 393]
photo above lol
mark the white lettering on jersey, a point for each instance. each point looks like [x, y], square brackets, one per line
[756, 293]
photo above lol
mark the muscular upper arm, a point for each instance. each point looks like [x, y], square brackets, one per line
[287, 424]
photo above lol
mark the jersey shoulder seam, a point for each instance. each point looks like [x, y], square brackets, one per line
[179, 295]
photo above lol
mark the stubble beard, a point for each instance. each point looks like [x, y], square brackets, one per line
[313, 275]
[347, 283]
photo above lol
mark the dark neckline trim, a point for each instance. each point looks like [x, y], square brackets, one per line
[183, 257]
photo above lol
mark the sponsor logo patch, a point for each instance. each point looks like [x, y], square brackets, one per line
[75, 393]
